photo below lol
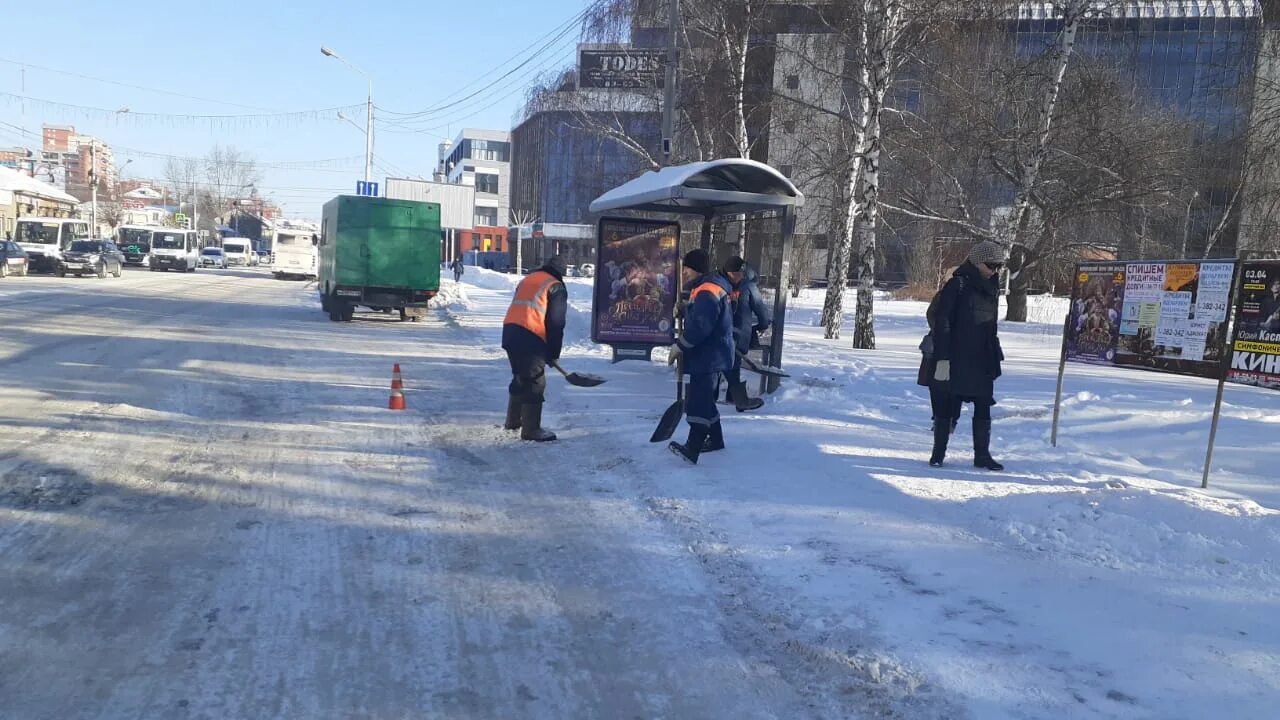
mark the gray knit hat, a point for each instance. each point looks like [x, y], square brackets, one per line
[989, 252]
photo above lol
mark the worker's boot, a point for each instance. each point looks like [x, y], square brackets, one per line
[692, 448]
[715, 439]
[982, 446]
[531, 424]
[513, 413]
[742, 401]
[941, 433]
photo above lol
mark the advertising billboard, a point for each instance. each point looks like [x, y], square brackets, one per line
[1255, 346]
[1164, 316]
[635, 285]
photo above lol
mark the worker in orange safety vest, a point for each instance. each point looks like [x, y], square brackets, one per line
[532, 335]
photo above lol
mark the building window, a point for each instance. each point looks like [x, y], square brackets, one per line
[487, 183]
[785, 170]
[486, 216]
[793, 82]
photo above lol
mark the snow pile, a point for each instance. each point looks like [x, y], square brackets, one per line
[452, 296]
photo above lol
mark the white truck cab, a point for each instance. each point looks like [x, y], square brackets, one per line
[45, 239]
[174, 249]
[239, 251]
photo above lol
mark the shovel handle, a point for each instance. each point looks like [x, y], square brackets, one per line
[556, 364]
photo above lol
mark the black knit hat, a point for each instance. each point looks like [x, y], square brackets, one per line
[698, 261]
[556, 266]
[734, 264]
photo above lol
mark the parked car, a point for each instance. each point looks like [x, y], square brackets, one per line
[91, 256]
[13, 259]
[587, 270]
[213, 257]
[264, 257]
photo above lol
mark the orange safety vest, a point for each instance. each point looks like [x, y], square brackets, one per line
[529, 306]
[708, 286]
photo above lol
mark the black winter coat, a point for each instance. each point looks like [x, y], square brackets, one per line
[964, 332]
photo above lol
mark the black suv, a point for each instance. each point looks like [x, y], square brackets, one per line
[92, 256]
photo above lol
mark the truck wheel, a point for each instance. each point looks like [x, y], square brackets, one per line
[404, 314]
[335, 310]
[348, 311]
[324, 302]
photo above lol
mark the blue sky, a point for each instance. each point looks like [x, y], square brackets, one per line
[245, 57]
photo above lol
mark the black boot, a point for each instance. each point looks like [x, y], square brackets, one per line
[941, 432]
[741, 400]
[982, 446]
[715, 439]
[693, 446]
[531, 424]
[513, 413]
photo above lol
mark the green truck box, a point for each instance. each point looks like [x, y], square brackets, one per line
[378, 253]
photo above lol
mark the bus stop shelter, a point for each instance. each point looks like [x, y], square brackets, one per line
[713, 190]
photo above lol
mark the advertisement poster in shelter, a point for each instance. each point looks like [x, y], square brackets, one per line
[1172, 316]
[636, 284]
[1255, 347]
[1096, 302]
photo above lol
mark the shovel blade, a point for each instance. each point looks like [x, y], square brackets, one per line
[669, 422]
[584, 379]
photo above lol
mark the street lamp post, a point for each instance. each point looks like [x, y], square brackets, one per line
[368, 133]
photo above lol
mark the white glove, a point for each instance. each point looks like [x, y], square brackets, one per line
[943, 371]
[674, 356]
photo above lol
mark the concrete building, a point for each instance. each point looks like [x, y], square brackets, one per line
[82, 156]
[482, 159]
[562, 162]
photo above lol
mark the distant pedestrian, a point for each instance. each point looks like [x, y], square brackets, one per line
[532, 335]
[750, 318]
[967, 351]
[457, 269]
[707, 348]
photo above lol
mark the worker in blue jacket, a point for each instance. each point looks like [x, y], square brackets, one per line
[750, 318]
[707, 347]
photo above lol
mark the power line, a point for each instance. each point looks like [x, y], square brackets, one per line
[494, 93]
[128, 85]
[174, 119]
[559, 32]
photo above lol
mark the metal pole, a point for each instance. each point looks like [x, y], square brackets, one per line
[1213, 431]
[1062, 369]
[669, 90]
[368, 138]
[1224, 363]
[93, 188]
[780, 298]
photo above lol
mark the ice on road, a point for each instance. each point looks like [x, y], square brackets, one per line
[207, 511]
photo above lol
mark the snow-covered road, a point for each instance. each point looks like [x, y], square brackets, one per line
[206, 511]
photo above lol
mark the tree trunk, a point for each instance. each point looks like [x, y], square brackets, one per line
[842, 254]
[1017, 297]
[864, 327]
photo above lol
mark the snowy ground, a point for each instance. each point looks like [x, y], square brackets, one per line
[206, 512]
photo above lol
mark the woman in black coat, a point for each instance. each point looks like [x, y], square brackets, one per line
[966, 349]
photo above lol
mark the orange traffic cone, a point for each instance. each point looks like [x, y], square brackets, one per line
[397, 390]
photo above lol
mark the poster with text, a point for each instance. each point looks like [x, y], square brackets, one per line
[1166, 316]
[635, 284]
[1179, 312]
[1255, 347]
[1096, 313]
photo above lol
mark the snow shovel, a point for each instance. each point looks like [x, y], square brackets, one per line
[755, 367]
[578, 379]
[671, 418]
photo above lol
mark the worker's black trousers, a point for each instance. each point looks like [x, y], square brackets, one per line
[528, 376]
